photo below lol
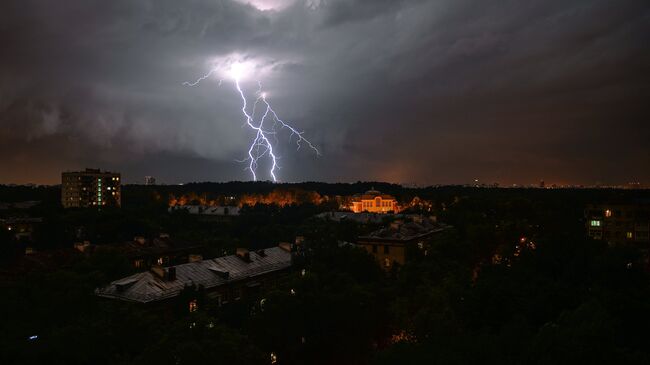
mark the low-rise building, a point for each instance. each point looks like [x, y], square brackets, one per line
[145, 253]
[373, 201]
[390, 245]
[618, 223]
[20, 227]
[91, 188]
[223, 279]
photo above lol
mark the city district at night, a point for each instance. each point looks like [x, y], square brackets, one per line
[325, 182]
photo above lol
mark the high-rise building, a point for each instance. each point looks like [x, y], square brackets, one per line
[149, 180]
[90, 188]
[618, 223]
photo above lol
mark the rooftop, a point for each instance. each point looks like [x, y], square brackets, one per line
[149, 287]
[406, 231]
[372, 194]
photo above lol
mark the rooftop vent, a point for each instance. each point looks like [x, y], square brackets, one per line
[243, 254]
[222, 273]
[167, 274]
[286, 246]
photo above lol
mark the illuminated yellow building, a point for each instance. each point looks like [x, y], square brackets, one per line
[373, 201]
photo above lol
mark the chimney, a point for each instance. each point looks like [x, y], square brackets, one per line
[243, 254]
[171, 273]
[159, 271]
[167, 274]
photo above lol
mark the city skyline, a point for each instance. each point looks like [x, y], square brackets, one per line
[424, 92]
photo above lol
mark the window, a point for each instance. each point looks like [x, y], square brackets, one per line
[608, 213]
[595, 223]
[193, 305]
[628, 235]
[374, 248]
[386, 262]
[386, 249]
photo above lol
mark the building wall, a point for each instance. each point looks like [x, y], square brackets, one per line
[617, 223]
[375, 205]
[90, 188]
[387, 254]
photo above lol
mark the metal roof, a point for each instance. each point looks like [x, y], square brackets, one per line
[405, 231]
[148, 287]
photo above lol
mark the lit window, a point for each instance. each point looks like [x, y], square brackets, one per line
[193, 306]
[608, 213]
[595, 223]
[387, 262]
[274, 358]
[628, 235]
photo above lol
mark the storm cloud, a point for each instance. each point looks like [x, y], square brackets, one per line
[439, 91]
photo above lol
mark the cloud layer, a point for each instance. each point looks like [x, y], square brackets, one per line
[439, 91]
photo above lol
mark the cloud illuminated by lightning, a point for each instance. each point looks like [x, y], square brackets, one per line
[268, 125]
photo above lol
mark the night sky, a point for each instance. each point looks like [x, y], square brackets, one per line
[430, 92]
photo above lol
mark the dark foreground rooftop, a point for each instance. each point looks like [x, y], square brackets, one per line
[148, 286]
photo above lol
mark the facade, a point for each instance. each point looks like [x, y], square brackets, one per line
[390, 245]
[373, 201]
[618, 223]
[90, 188]
[223, 279]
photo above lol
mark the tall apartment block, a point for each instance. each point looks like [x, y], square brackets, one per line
[619, 223]
[90, 188]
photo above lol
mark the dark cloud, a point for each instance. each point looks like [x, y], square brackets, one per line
[428, 91]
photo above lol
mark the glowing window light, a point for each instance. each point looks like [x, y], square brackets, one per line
[595, 223]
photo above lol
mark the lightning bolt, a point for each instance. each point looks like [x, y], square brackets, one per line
[268, 125]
